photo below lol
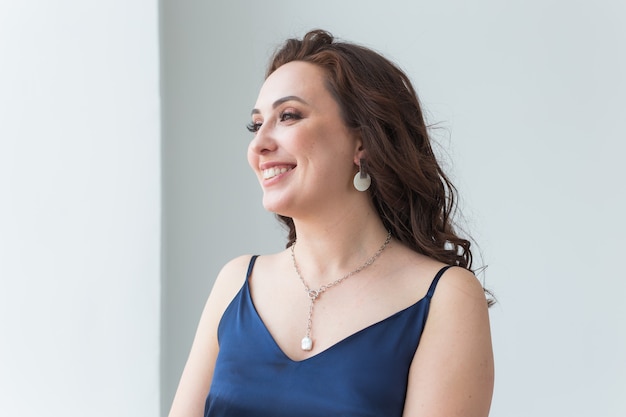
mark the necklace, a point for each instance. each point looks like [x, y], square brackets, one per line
[307, 342]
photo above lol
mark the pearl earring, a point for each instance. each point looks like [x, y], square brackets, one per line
[362, 179]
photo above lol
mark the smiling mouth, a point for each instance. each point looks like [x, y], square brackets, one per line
[272, 172]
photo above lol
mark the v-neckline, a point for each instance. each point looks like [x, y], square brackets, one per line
[335, 345]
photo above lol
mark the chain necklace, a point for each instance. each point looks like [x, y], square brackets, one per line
[307, 342]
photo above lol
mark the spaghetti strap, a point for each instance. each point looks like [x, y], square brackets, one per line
[433, 285]
[250, 266]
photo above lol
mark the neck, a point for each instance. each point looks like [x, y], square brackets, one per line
[328, 250]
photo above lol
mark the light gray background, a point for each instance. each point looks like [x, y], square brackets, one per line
[529, 96]
[80, 212]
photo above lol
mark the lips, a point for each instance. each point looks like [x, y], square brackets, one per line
[276, 170]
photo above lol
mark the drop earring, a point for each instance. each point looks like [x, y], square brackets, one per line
[362, 179]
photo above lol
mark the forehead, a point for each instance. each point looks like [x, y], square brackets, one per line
[296, 78]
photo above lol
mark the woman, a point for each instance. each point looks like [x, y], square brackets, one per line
[372, 310]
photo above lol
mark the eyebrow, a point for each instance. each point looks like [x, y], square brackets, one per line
[281, 101]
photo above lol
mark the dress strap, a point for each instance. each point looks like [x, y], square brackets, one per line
[250, 266]
[433, 284]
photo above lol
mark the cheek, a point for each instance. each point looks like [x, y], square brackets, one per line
[253, 159]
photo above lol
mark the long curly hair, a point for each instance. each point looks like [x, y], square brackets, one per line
[414, 198]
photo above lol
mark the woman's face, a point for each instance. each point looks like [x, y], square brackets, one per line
[302, 152]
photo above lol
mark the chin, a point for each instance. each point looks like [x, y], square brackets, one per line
[273, 207]
[279, 207]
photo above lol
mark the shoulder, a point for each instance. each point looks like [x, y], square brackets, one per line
[418, 273]
[230, 279]
[227, 284]
[198, 373]
[452, 371]
[458, 300]
[233, 268]
[457, 284]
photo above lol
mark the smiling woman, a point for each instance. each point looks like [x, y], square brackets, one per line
[373, 308]
[300, 138]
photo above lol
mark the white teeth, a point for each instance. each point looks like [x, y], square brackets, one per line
[272, 172]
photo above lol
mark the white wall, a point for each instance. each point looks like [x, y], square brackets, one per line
[531, 98]
[79, 208]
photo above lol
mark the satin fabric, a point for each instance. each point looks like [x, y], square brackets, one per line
[364, 374]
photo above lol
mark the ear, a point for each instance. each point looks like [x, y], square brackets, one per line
[359, 151]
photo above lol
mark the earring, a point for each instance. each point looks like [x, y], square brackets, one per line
[362, 179]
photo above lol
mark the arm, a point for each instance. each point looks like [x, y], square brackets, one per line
[452, 372]
[196, 378]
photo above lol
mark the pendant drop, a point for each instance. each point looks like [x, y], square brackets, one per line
[307, 343]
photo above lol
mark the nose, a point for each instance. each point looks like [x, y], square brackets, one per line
[263, 141]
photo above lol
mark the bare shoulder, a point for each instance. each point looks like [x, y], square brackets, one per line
[459, 309]
[231, 277]
[452, 371]
[198, 373]
[458, 288]
[233, 268]
[228, 282]
[455, 285]
[233, 274]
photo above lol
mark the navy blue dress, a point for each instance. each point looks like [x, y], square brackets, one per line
[365, 374]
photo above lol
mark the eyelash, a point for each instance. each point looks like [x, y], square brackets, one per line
[254, 127]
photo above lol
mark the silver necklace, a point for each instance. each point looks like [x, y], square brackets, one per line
[307, 342]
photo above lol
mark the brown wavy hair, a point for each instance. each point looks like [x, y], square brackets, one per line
[414, 198]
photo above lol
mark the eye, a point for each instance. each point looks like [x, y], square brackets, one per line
[253, 127]
[290, 115]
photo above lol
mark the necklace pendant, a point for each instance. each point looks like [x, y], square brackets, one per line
[307, 343]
